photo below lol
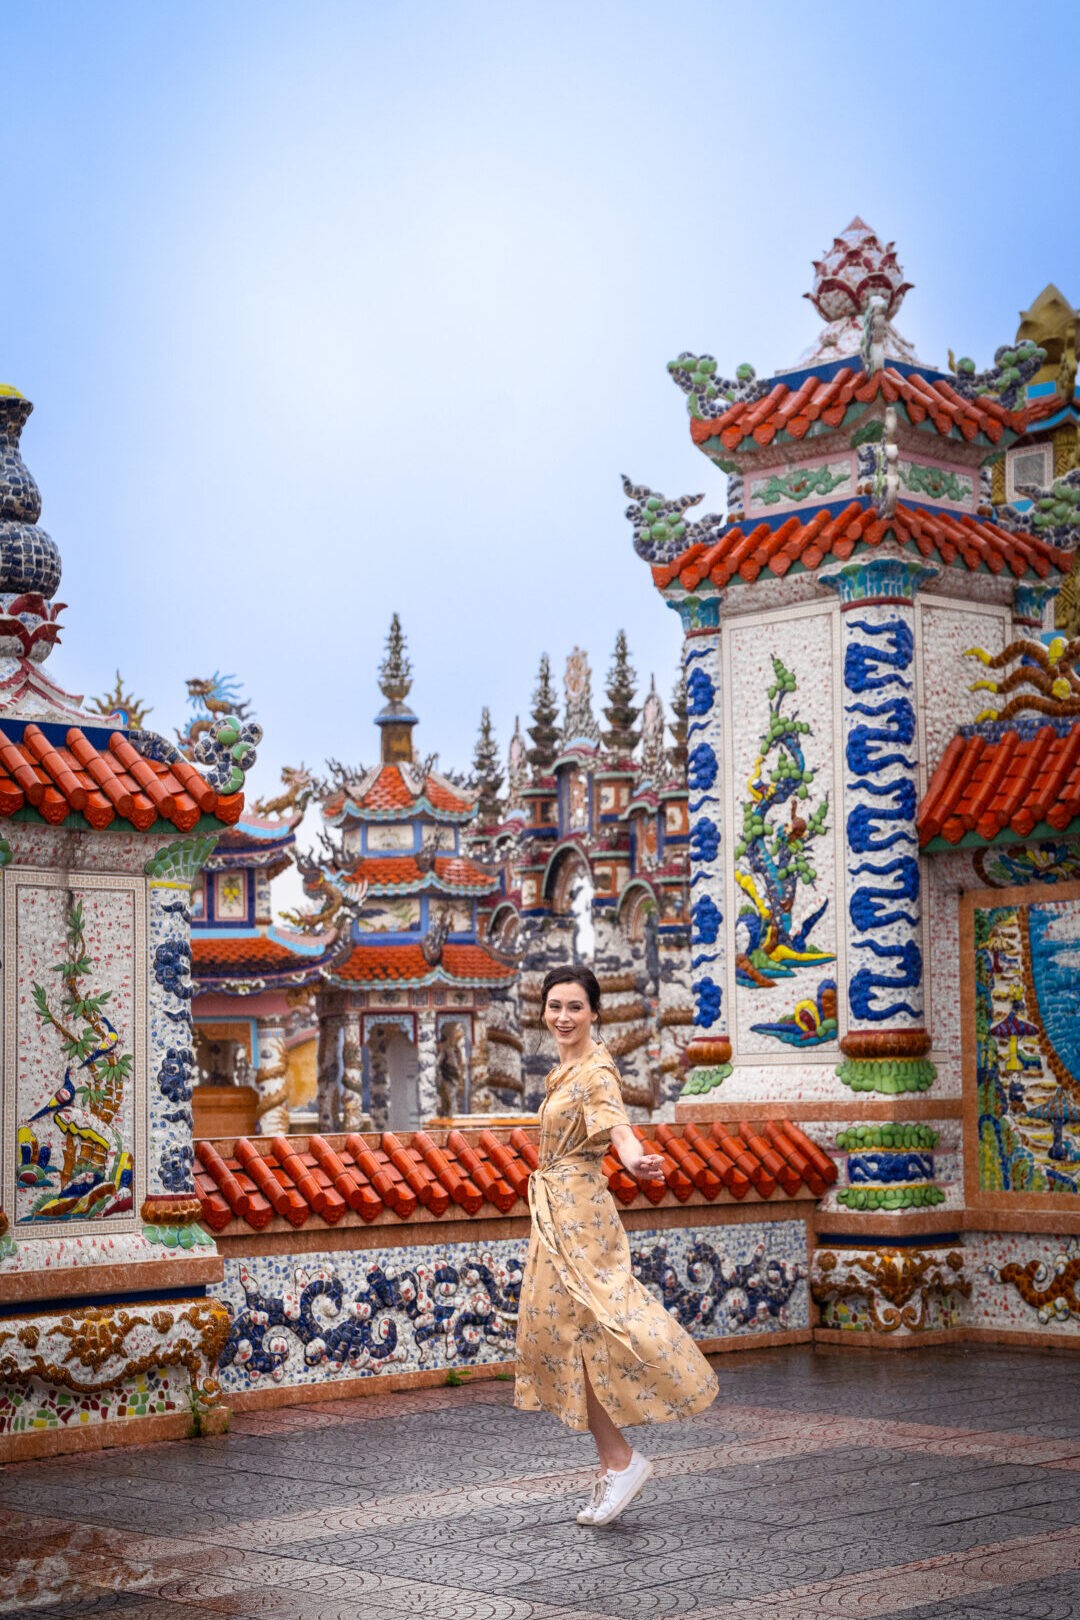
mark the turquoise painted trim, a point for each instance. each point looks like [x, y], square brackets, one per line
[75, 821]
[419, 807]
[1039, 833]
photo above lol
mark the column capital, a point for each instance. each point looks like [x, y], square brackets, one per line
[1030, 600]
[700, 615]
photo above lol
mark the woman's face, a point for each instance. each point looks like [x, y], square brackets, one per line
[568, 1015]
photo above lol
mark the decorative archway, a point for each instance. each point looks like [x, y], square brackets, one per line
[636, 903]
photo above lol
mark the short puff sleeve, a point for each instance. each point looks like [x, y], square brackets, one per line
[602, 1104]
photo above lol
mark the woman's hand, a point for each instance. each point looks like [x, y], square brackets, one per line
[646, 1168]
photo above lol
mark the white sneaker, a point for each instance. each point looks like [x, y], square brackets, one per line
[620, 1489]
[599, 1487]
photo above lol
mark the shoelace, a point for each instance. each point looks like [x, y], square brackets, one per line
[599, 1490]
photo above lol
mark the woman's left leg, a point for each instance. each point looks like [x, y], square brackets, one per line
[623, 1471]
[613, 1451]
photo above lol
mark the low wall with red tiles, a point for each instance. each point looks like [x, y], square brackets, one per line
[350, 1258]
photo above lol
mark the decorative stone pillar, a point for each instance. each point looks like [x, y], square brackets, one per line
[886, 1045]
[353, 1114]
[427, 1063]
[272, 1106]
[378, 1074]
[170, 1184]
[708, 1053]
[328, 1060]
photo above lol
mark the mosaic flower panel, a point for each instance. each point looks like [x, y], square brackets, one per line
[75, 981]
[303, 1320]
[781, 726]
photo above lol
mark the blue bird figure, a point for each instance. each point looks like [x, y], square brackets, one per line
[62, 1097]
[108, 1041]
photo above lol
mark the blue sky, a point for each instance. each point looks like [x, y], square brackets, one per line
[336, 309]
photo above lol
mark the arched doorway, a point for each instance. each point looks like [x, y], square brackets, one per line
[402, 1083]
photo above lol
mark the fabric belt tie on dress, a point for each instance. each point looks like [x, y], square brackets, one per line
[574, 1283]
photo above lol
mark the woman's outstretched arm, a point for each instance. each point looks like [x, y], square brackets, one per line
[641, 1165]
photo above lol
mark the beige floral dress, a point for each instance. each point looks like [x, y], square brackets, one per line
[580, 1303]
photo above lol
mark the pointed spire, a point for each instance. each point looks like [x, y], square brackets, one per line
[653, 757]
[396, 720]
[544, 730]
[517, 767]
[580, 722]
[621, 711]
[680, 720]
[395, 671]
[486, 773]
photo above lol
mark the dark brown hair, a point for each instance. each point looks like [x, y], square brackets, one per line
[575, 974]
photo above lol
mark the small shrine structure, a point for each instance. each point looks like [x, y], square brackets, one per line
[593, 852]
[894, 540]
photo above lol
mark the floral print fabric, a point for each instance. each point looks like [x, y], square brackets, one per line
[580, 1302]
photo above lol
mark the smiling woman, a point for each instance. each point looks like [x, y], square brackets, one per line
[593, 1345]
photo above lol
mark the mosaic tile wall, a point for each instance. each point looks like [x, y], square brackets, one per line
[1023, 1282]
[303, 1320]
[34, 1406]
[74, 1045]
[1027, 1045]
[947, 629]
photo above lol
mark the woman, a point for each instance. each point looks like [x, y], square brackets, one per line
[593, 1345]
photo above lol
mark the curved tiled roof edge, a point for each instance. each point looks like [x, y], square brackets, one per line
[747, 549]
[1011, 780]
[59, 771]
[454, 1174]
[783, 410]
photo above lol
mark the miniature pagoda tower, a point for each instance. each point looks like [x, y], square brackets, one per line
[255, 979]
[402, 1011]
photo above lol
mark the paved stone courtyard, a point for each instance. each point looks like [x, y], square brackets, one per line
[943, 1483]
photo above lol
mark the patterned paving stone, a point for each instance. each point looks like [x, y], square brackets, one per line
[820, 1487]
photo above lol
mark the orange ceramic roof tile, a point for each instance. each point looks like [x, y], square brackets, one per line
[406, 871]
[455, 1175]
[747, 550]
[390, 791]
[398, 964]
[57, 777]
[244, 956]
[1003, 779]
[794, 411]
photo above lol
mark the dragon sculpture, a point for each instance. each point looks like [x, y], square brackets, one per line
[324, 880]
[213, 699]
[301, 786]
